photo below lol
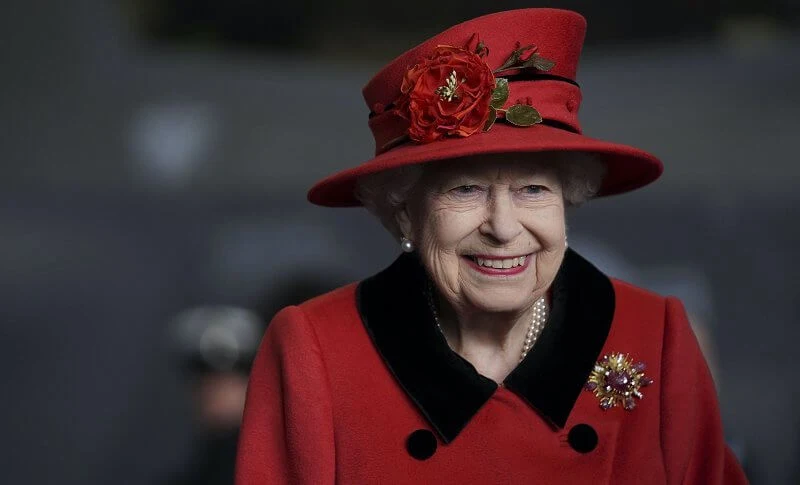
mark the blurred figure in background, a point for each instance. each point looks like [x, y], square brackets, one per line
[216, 345]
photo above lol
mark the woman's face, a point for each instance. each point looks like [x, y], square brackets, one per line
[489, 231]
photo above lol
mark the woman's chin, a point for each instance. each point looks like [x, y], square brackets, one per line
[500, 304]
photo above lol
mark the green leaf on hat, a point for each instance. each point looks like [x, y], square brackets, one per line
[500, 93]
[523, 115]
[513, 60]
[482, 50]
[539, 63]
[491, 120]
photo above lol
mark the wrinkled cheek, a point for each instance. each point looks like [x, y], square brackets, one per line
[440, 260]
[442, 268]
[548, 261]
[553, 229]
[547, 224]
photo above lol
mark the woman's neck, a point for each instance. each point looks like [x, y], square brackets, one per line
[491, 341]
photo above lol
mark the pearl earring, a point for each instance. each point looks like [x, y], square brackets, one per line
[566, 244]
[406, 245]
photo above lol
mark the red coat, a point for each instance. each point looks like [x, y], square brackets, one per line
[358, 387]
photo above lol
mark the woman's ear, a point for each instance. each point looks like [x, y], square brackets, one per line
[403, 219]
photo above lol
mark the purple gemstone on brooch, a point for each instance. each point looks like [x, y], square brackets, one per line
[590, 386]
[618, 381]
[639, 367]
[629, 403]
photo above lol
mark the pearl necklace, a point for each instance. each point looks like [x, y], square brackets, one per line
[534, 330]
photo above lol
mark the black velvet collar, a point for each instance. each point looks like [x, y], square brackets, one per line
[445, 387]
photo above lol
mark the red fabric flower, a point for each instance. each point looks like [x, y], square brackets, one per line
[447, 94]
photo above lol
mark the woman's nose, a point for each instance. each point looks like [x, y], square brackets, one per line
[502, 222]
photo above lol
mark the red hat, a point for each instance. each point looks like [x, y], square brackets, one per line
[440, 100]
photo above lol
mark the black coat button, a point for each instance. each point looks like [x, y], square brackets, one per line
[582, 438]
[421, 444]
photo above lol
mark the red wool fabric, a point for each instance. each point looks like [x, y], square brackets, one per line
[323, 408]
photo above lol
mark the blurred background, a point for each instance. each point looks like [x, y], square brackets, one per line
[154, 158]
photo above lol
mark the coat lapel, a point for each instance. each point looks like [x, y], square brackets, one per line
[445, 387]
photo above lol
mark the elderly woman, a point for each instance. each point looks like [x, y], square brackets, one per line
[488, 352]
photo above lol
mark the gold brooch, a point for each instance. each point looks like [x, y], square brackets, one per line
[617, 380]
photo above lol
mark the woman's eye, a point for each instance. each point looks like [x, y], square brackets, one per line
[466, 189]
[533, 189]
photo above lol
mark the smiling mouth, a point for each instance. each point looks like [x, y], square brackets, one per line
[491, 262]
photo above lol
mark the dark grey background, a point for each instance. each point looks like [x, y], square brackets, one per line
[145, 170]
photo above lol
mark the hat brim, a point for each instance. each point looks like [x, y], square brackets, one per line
[627, 168]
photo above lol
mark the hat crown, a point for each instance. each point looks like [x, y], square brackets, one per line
[557, 34]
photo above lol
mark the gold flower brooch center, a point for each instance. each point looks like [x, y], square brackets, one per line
[449, 91]
[617, 380]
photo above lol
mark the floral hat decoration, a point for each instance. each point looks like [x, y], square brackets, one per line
[501, 83]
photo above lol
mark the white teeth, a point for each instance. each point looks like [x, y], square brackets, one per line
[501, 263]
